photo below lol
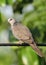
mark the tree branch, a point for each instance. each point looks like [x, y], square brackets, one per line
[23, 44]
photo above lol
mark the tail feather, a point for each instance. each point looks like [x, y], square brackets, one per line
[33, 45]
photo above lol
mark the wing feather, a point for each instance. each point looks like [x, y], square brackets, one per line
[21, 32]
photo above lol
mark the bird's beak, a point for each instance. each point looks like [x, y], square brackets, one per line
[8, 20]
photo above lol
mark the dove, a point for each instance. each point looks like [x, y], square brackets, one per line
[23, 34]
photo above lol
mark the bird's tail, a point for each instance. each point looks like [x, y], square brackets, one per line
[33, 45]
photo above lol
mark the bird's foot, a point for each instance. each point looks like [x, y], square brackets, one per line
[19, 42]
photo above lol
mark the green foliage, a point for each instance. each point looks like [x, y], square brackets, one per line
[35, 20]
[2, 2]
[7, 56]
[27, 57]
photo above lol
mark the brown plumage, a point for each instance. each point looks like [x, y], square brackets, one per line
[22, 33]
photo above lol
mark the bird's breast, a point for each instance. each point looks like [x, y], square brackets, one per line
[15, 32]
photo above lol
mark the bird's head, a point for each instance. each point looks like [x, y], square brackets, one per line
[11, 21]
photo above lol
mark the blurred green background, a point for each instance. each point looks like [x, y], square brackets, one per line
[31, 13]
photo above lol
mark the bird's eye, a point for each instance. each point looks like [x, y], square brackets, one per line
[10, 19]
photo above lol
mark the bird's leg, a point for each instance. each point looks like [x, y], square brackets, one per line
[19, 42]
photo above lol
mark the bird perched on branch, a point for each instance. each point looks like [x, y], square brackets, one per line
[23, 34]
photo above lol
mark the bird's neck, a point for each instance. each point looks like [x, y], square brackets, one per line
[15, 23]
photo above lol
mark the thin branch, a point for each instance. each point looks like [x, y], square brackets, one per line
[23, 44]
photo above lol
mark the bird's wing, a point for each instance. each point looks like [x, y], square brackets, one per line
[21, 32]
